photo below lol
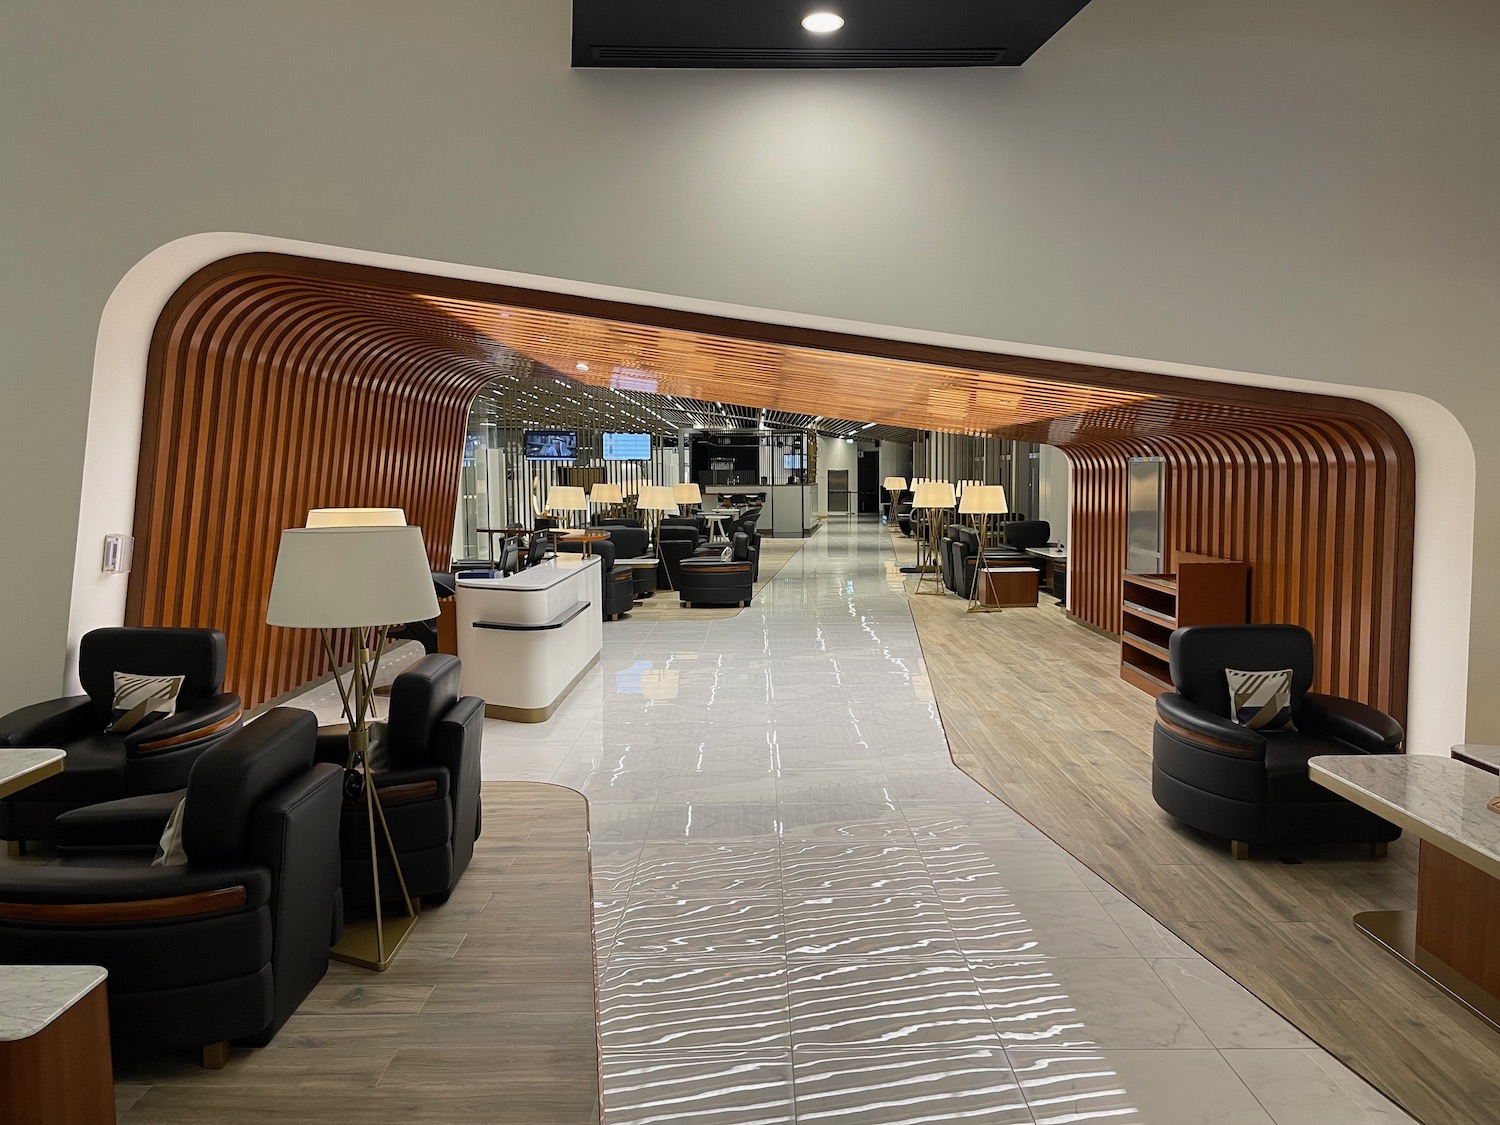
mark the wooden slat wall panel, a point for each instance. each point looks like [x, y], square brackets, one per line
[1320, 508]
[276, 384]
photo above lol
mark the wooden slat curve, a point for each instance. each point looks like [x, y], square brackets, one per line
[276, 384]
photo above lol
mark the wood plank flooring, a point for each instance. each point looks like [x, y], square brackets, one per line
[487, 1015]
[1035, 711]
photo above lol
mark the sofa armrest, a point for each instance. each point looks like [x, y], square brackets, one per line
[198, 725]
[52, 723]
[1362, 726]
[75, 885]
[1204, 729]
[132, 822]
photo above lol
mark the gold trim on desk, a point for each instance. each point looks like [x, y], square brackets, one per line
[538, 714]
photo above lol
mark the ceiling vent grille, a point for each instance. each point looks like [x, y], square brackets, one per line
[777, 58]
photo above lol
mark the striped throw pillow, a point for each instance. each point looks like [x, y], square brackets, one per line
[1261, 700]
[142, 699]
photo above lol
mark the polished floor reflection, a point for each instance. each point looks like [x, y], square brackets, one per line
[805, 912]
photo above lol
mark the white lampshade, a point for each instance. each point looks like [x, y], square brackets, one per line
[351, 577]
[687, 494]
[356, 517]
[983, 500]
[934, 494]
[656, 498]
[895, 484]
[605, 493]
[566, 498]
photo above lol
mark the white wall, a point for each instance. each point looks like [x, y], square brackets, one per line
[1290, 190]
[1053, 491]
[835, 453]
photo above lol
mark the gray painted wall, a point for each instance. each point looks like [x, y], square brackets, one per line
[1296, 189]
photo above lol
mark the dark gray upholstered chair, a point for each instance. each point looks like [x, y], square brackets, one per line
[425, 633]
[675, 542]
[1252, 787]
[427, 780]
[100, 765]
[617, 583]
[711, 580]
[225, 947]
[631, 542]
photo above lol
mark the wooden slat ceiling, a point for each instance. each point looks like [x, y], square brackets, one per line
[701, 374]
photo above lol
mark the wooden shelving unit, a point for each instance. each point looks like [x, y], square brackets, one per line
[1203, 591]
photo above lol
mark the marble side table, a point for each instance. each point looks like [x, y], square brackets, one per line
[1444, 802]
[54, 1046]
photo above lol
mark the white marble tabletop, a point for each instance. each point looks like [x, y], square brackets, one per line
[32, 996]
[1440, 800]
[1485, 756]
[20, 768]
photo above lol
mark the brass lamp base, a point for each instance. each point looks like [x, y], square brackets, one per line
[363, 940]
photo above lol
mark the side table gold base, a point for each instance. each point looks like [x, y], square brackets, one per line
[1396, 930]
[359, 946]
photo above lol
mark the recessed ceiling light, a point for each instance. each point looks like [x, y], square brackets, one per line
[583, 367]
[822, 22]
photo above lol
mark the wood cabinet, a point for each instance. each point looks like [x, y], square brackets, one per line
[1203, 591]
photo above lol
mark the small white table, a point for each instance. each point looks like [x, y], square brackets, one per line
[1445, 804]
[20, 768]
[716, 518]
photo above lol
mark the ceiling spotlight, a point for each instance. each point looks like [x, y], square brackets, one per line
[822, 22]
[582, 367]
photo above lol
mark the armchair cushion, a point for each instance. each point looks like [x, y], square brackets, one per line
[1360, 725]
[52, 723]
[94, 771]
[142, 699]
[1261, 700]
[132, 822]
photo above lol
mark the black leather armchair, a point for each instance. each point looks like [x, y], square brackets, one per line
[100, 765]
[675, 542]
[711, 580]
[1252, 787]
[428, 786]
[425, 633]
[630, 539]
[617, 583]
[902, 512]
[225, 947]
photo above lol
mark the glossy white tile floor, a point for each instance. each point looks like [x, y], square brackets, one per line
[805, 912]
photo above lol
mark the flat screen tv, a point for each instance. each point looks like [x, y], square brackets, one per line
[794, 460]
[627, 447]
[550, 445]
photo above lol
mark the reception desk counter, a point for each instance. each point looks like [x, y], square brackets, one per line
[526, 640]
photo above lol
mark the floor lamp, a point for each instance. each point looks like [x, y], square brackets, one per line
[895, 486]
[934, 497]
[689, 494]
[657, 498]
[360, 579]
[606, 497]
[980, 502]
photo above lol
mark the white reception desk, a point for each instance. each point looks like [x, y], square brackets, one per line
[526, 640]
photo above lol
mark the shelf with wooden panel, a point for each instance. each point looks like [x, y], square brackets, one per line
[1202, 591]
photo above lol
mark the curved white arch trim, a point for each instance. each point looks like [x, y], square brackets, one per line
[1443, 567]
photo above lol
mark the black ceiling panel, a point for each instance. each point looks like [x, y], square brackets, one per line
[768, 34]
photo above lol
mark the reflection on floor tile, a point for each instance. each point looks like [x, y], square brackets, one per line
[656, 1089]
[1134, 1088]
[887, 1003]
[970, 1084]
[805, 912]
